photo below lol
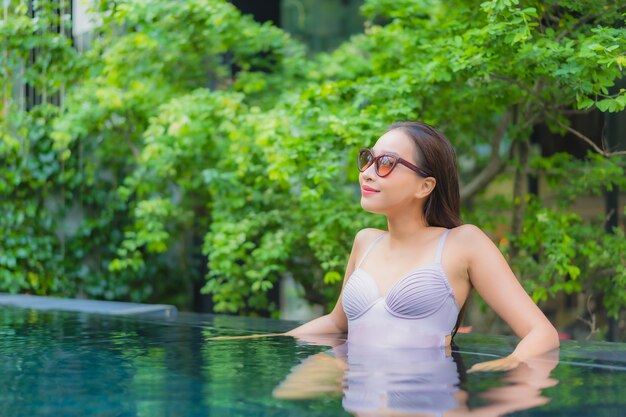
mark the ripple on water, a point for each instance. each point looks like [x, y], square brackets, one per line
[77, 365]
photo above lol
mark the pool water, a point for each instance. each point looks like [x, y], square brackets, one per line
[77, 364]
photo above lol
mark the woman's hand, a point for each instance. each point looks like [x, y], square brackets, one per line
[503, 364]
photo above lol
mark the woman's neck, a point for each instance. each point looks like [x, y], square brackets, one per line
[405, 227]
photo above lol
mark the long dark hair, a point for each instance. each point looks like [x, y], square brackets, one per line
[435, 154]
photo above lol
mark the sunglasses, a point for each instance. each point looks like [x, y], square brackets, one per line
[385, 163]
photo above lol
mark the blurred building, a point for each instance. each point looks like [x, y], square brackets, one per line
[321, 24]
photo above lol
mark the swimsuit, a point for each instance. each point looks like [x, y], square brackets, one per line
[419, 311]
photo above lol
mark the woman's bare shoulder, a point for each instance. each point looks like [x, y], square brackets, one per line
[471, 242]
[467, 232]
[367, 235]
[467, 243]
[364, 238]
[469, 238]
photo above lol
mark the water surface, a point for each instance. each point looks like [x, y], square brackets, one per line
[74, 364]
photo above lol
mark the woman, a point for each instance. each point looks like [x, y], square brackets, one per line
[407, 286]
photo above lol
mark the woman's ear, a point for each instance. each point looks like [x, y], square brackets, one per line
[427, 185]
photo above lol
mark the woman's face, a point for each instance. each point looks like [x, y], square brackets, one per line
[396, 191]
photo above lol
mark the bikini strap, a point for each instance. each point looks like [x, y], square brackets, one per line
[442, 241]
[370, 247]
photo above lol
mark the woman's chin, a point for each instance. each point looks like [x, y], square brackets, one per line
[369, 207]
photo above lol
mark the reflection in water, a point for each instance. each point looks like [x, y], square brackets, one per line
[67, 364]
[376, 381]
[400, 380]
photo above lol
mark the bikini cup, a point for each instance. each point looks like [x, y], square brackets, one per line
[417, 295]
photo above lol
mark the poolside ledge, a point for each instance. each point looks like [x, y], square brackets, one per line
[87, 306]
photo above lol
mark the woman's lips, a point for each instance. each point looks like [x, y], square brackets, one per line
[365, 190]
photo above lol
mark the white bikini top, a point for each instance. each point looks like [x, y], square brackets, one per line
[420, 310]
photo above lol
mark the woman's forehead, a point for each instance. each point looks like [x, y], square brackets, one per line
[394, 141]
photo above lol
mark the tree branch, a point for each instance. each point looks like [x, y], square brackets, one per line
[494, 166]
[571, 112]
[534, 91]
[586, 19]
[588, 140]
[519, 192]
[518, 83]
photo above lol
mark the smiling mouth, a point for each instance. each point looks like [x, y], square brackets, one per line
[369, 189]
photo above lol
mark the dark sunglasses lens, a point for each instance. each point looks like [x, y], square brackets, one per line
[365, 159]
[385, 165]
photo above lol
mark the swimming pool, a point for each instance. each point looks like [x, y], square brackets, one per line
[77, 364]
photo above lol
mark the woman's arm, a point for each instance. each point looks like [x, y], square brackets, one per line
[492, 277]
[336, 321]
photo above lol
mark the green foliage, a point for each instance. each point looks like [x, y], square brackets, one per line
[31, 207]
[563, 253]
[193, 123]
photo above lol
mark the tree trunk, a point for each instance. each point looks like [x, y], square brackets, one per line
[522, 149]
[495, 165]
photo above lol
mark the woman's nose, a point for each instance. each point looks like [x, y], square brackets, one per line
[369, 172]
